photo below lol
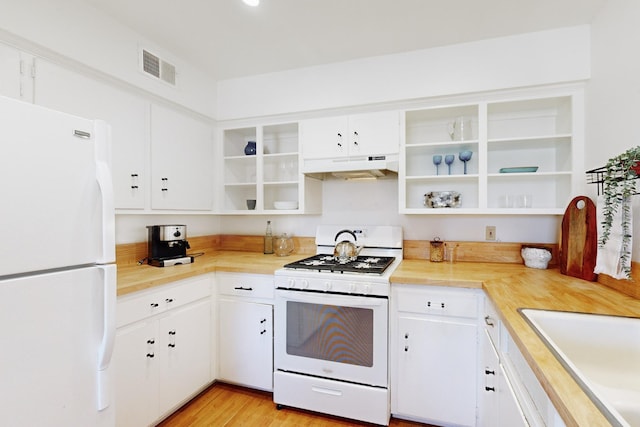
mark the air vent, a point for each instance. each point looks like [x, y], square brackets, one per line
[158, 68]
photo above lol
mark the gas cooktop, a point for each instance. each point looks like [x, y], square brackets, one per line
[327, 263]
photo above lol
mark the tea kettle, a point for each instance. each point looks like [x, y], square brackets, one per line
[345, 250]
[283, 245]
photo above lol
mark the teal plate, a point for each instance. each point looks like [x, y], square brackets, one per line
[519, 170]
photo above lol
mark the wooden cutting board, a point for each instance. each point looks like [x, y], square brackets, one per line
[579, 239]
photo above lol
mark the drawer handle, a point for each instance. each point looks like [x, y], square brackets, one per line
[264, 331]
[150, 355]
[263, 320]
[154, 305]
[172, 332]
[168, 300]
[171, 345]
[490, 388]
[488, 321]
[242, 288]
[488, 372]
[151, 341]
[328, 391]
[441, 305]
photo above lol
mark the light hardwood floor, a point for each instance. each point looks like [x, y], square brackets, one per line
[229, 405]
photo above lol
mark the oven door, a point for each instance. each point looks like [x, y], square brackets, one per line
[334, 336]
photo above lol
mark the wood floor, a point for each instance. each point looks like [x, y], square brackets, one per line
[228, 405]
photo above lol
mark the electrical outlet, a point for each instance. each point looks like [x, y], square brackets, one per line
[490, 232]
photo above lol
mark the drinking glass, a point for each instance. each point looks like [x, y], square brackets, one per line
[437, 159]
[465, 156]
[448, 159]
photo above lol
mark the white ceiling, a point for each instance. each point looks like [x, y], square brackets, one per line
[228, 39]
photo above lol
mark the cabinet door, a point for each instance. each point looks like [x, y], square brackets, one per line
[437, 370]
[185, 343]
[181, 159]
[510, 413]
[374, 134]
[245, 334]
[489, 386]
[128, 116]
[136, 361]
[325, 138]
[10, 68]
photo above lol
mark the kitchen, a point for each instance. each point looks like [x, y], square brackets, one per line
[599, 53]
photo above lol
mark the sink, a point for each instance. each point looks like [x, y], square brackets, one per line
[601, 352]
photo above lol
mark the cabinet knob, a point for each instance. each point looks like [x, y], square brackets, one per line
[151, 341]
[150, 355]
[488, 321]
[488, 372]
[168, 300]
[263, 320]
[490, 388]
[406, 335]
[171, 345]
[153, 305]
[264, 331]
[172, 332]
[406, 348]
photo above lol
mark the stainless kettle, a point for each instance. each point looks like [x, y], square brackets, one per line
[345, 250]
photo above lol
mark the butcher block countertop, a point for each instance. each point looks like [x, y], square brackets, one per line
[508, 286]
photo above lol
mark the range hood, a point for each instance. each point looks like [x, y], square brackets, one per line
[362, 167]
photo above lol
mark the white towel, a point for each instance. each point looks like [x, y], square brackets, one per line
[609, 258]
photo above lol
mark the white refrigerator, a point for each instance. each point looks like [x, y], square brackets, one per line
[57, 269]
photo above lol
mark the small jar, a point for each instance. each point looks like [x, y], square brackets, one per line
[436, 250]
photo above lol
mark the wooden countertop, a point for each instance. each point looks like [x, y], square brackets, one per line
[509, 287]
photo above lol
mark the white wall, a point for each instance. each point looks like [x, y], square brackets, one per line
[613, 93]
[517, 61]
[80, 33]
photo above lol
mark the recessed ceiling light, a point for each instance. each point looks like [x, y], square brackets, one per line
[253, 3]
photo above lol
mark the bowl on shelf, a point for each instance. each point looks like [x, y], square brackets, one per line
[442, 199]
[285, 204]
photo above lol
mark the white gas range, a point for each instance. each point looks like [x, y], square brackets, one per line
[331, 326]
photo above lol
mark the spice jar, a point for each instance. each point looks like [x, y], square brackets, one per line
[436, 251]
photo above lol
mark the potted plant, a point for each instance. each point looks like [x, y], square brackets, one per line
[619, 184]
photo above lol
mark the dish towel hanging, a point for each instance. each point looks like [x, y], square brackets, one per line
[609, 259]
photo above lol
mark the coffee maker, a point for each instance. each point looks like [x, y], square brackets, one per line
[167, 245]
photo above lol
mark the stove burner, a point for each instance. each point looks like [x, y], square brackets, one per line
[327, 263]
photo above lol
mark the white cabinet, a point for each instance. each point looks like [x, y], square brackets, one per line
[163, 349]
[16, 78]
[127, 114]
[362, 135]
[182, 158]
[434, 354]
[268, 173]
[245, 329]
[511, 395]
[526, 153]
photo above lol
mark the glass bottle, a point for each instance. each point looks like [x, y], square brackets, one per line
[268, 240]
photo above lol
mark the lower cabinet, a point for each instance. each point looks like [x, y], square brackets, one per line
[511, 395]
[245, 329]
[434, 354]
[163, 350]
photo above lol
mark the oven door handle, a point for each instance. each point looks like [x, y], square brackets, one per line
[338, 299]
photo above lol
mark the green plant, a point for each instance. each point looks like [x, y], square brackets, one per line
[618, 186]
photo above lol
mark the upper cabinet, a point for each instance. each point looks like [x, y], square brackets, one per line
[127, 114]
[501, 155]
[181, 156]
[370, 134]
[261, 171]
[16, 73]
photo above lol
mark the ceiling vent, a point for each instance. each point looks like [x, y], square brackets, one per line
[156, 67]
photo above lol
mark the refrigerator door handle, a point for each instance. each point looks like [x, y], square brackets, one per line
[105, 183]
[108, 334]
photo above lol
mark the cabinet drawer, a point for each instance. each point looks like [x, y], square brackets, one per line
[245, 285]
[141, 305]
[492, 322]
[438, 302]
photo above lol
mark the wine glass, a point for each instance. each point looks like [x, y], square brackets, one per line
[465, 156]
[448, 159]
[437, 159]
